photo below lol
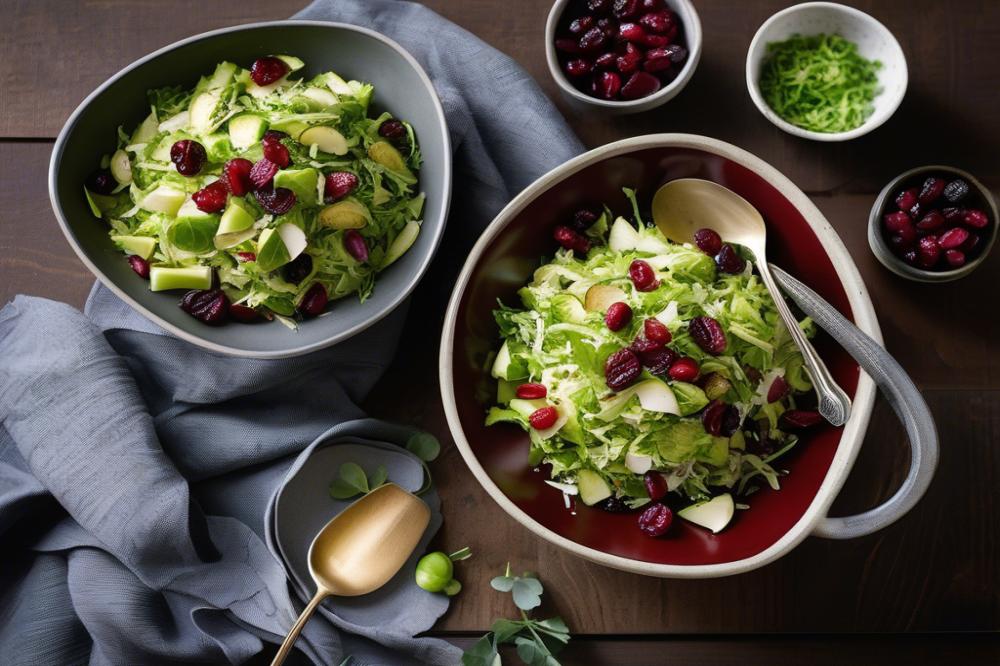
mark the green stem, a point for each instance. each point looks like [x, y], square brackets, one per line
[530, 625]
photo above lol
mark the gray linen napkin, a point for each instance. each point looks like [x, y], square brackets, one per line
[137, 473]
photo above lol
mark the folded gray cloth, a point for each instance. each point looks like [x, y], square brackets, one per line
[137, 471]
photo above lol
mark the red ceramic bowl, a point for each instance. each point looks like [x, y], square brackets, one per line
[800, 240]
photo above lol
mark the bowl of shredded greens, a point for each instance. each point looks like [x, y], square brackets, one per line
[825, 71]
[637, 401]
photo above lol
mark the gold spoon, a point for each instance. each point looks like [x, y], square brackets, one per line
[683, 206]
[361, 549]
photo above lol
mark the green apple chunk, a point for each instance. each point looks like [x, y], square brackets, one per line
[162, 278]
[147, 130]
[246, 129]
[141, 246]
[163, 199]
[592, 486]
[193, 230]
[714, 514]
[385, 154]
[300, 181]
[401, 243]
[121, 167]
[328, 139]
[236, 225]
[346, 214]
[277, 247]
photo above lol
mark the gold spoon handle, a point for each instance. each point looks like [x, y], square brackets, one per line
[296, 629]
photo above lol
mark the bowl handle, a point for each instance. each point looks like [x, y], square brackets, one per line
[903, 396]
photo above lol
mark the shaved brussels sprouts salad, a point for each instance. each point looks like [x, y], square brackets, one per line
[651, 375]
[264, 195]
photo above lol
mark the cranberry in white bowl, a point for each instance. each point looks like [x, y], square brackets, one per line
[625, 56]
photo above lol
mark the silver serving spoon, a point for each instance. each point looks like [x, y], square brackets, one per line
[683, 206]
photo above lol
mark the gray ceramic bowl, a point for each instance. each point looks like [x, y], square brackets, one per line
[978, 197]
[401, 87]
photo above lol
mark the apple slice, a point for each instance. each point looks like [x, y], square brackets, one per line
[328, 139]
[121, 167]
[592, 487]
[623, 236]
[656, 396]
[713, 515]
[638, 463]
[600, 296]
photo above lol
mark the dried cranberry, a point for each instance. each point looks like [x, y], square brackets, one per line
[906, 198]
[615, 504]
[795, 419]
[643, 344]
[976, 219]
[931, 221]
[211, 198]
[543, 418]
[677, 53]
[895, 221]
[392, 129]
[956, 190]
[640, 85]
[265, 71]
[953, 238]
[928, 251]
[355, 245]
[207, 305]
[243, 313]
[970, 244]
[571, 240]
[659, 22]
[599, 6]
[338, 185]
[656, 485]
[276, 152]
[621, 369]
[729, 261]
[930, 191]
[276, 201]
[567, 45]
[581, 25]
[101, 182]
[531, 391]
[606, 60]
[658, 361]
[584, 218]
[910, 257]
[236, 176]
[708, 241]
[272, 136]
[711, 417]
[578, 67]
[656, 520]
[652, 5]
[628, 61]
[905, 239]
[139, 265]
[188, 157]
[631, 32]
[778, 389]
[955, 258]
[730, 421]
[684, 369]
[262, 173]
[244, 257]
[624, 9]
[656, 330]
[656, 41]
[916, 211]
[708, 335]
[314, 302]
[618, 316]
[657, 60]
[606, 85]
[298, 269]
[592, 40]
[953, 215]
[643, 276]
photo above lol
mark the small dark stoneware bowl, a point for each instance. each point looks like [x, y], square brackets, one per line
[978, 197]
[401, 87]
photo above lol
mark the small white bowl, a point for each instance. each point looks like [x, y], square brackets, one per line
[874, 41]
[692, 42]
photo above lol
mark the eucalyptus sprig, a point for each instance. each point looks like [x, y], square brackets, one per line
[537, 641]
[352, 481]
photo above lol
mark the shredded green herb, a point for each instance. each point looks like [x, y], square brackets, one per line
[819, 82]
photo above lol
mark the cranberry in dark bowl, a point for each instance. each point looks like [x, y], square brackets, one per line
[933, 224]
[623, 55]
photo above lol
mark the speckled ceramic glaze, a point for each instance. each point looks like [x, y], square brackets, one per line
[874, 41]
[401, 87]
[799, 239]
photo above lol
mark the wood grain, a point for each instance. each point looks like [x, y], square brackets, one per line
[937, 570]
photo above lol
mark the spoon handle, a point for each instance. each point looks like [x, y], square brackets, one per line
[834, 405]
[296, 629]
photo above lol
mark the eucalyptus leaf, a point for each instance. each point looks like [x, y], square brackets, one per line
[483, 653]
[504, 630]
[555, 627]
[530, 651]
[525, 596]
[502, 583]
[424, 445]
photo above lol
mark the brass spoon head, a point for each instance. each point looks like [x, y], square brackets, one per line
[361, 548]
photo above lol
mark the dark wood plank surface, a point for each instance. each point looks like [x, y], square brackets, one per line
[936, 570]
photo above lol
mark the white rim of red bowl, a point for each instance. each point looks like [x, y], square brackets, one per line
[692, 34]
[753, 85]
[853, 432]
[391, 306]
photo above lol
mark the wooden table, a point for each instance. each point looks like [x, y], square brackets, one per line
[924, 589]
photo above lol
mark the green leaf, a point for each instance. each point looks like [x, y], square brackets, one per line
[482, 653]
[504, 630]
[527, 593]
[530, 651]
[424, 445]
[341, 491]
[352, 474]
[461, 554]
[502, 583]
[555, 627]
[378, 478]
[193, 234]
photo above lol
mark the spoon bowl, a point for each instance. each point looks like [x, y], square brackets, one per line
[684, 205]
[361, 549]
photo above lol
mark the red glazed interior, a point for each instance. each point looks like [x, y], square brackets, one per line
[508, 263]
